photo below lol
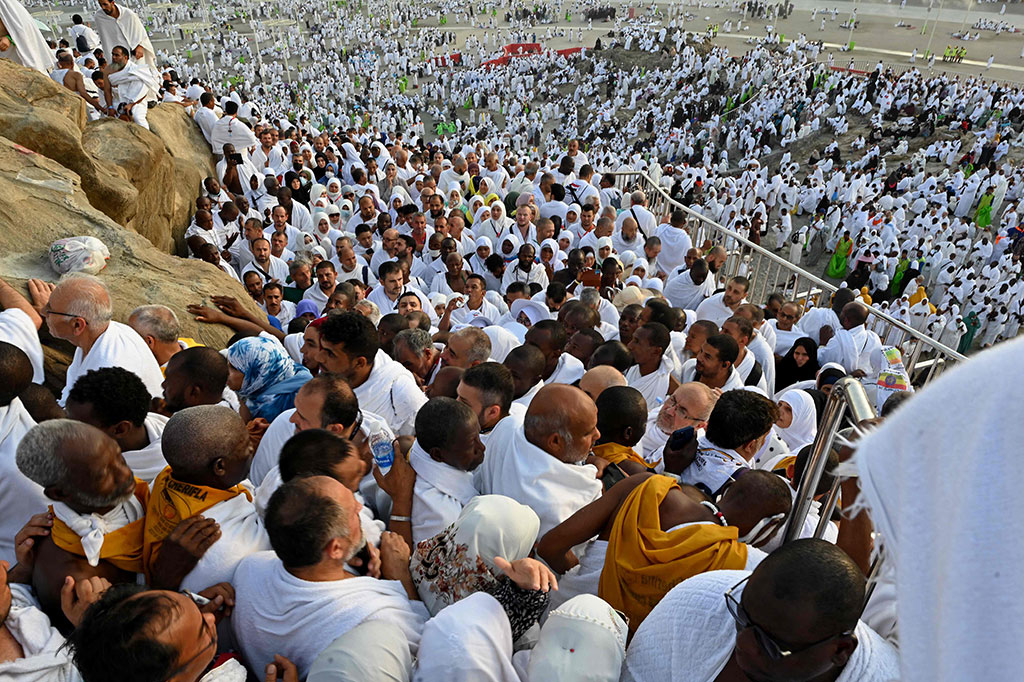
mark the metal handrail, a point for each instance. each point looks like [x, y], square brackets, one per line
[770, 273]
[848, 392]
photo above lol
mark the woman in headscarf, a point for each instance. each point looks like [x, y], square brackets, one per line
[797, 424]
[476, 202]
[508, 246]
[300, 192]
[484, 246]
[572, 220]
[334, 191]
[471, 555]
[325, 235]
[389, 183]
[264, 376]
[548, 257]
[453, 198]
[320, 167]
[482, 216]
[350, 161]
[396, 202]
[799, 364]
[837, 265]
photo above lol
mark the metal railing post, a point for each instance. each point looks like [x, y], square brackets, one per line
[847, 392]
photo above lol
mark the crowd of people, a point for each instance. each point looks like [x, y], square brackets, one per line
[484, 414]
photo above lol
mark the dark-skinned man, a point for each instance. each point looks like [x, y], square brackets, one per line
[714, 364]
[559, 367]
[652, 373]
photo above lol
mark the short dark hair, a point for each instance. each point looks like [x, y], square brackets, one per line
[828, 476]
[739, 417]
[15, 370]
[116, 633]
[745, 326]
[709, 327]
[439, 419]
[817, 572]
[661, 312]
[619, 407]
[658, 335]
[395, 322]
[728, 349]
[115, 395]
[516, 288]
[556, 329]
[313, 452]
[388, 267]
[203, 366]
[273, 284]
[556, 292]
[340, 403]
[613, 353]
[494, 381]
[355, 332]
[741, 281]
[300, 521]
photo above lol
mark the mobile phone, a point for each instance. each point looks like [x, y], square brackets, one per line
[612, 475]
[237, 158]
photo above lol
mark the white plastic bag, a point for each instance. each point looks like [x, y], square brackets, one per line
[78, 254]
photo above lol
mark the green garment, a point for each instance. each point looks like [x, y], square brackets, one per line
[973, 324]
[837, 265]
[983, 217]
[901, 270]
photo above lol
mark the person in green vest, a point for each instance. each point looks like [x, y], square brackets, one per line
[983, 216]
[901, 272]
[837, 264]
[973, 324]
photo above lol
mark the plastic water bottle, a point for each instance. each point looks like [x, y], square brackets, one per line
[383, 450]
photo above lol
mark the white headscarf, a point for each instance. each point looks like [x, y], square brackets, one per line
[460, 560]
[470, 641]
[805, 420]
[583, 640]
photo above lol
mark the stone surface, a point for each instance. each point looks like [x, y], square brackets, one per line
[144, 181]
[43, 202]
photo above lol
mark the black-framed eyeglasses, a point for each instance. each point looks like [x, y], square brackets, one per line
[771, 646]
[48, 311]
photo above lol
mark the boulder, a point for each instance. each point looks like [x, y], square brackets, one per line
[145, 181]
[44, 201]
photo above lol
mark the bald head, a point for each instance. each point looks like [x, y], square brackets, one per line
[854, 315]
[562, 421]
[15, 372]
[599, 378]
[206, 443]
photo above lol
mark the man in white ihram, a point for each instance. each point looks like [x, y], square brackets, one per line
[78, 310]
[137, 84]
[121, 26]
[853, 345]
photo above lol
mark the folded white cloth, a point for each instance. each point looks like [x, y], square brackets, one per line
[440, 493]
[91, 528]
[20, 497]
[45, 660]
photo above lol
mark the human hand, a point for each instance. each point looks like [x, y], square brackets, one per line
[182, 550]
[5, 44]
[528, 574]
[205, 313]
[598, 462]
[39, 291]
[222, 600]
[398, 482]
[373, 564]
[281, 669]
[77, 597]
[394, 556]
[256, 428]
[230, 305]
[26, 540]
[139, 52]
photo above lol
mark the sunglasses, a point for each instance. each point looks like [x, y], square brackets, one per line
[775, 650]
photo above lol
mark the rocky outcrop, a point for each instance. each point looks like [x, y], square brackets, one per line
[43, 201]
[144, 181]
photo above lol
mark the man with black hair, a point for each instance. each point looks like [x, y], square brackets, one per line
[391, 287]
[349, 346]
[622, 421]
[795, 617]
[750, 370]
[389, 327]
[526, 363]
[613, 353]
[714, 365]
[720, 307]
[652, 373]
[559, 367]
[582, 345]
[688, 288]
[446, 451]
[699, 332]
[196, 376]
[302, 597]
[116, 401]
[322, 452]
[326, 279]
[736, 430]
[487, 389]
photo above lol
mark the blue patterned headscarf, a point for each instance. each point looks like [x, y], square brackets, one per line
[271, 377]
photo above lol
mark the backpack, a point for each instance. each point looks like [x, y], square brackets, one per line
[81, 44]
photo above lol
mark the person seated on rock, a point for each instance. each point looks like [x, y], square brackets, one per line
[79, 311]
[71, 79]
[98, 509]
[642, 564]
[116, 401]
[200, 518]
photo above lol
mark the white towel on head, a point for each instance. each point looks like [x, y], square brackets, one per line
[942, 480]
[469, 641]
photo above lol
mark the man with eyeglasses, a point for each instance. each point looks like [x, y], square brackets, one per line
[79, 310]
[689, 405]
[787, 327]
[796, 617]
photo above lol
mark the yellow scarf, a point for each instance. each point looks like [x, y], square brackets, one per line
[615, 453]
[122, 548]
[171, 502]
[644, 562]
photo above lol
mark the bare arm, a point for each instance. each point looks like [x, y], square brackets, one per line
[11, 298]
[555, 548]
[80, 89]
